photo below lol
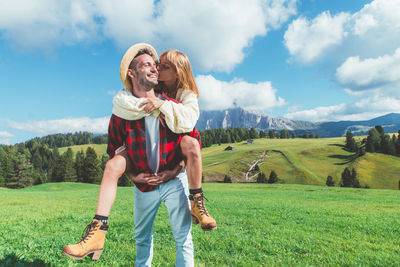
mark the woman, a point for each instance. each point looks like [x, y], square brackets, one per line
[176, 79]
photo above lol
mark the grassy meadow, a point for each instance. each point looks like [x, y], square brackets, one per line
[258, 225]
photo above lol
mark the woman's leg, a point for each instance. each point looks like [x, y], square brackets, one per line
[114, 169]
[191, 151]
[93, 242]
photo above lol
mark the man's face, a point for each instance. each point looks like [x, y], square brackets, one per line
[145, 72]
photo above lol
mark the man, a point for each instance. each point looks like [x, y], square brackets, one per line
[150, 148]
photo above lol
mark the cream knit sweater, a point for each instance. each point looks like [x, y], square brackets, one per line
[179, 117]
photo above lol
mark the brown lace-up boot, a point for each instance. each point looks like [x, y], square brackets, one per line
[92, 242]
[200, 213]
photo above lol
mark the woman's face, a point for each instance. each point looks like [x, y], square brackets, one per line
[166, 72]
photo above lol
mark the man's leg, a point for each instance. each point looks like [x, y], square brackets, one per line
[191, 151]
[176, 200]
[145, 209]
[93, 242]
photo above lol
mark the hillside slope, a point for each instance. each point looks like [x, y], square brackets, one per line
[296, 161]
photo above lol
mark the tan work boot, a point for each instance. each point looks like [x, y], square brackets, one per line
[200, 213]
[92, 242]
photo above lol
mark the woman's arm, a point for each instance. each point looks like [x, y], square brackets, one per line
[129, 107]
[181, 117]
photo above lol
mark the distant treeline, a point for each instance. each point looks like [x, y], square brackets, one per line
[69, 139]
[232, 135]
[38, 160]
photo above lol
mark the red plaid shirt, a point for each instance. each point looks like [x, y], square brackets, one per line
[132, 135]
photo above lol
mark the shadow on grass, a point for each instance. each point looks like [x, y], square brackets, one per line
[13, 260]
[339, 145]
[346, 159]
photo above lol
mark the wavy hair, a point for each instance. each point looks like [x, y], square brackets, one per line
[180, 62]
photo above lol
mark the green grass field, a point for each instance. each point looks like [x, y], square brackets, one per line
[296, 161]
[258, 225]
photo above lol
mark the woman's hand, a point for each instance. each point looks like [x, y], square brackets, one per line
[150, 104]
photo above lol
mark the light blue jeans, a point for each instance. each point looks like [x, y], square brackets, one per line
[175, 196]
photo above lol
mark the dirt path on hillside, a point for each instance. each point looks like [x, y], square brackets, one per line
[253, 165]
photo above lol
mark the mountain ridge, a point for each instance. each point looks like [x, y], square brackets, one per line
[239, 117]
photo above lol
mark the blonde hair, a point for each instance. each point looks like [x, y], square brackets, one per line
[180, 62]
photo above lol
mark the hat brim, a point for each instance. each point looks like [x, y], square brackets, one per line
[127, 59]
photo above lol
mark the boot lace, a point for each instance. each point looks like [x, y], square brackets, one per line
[88, 232]
[199, 202]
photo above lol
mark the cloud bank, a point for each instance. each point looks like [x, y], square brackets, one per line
[214, 34]
[70, 125]
[216, 95]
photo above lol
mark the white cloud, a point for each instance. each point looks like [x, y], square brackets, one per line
[362, 109]
[378, 17]
[40, 24]
[213, 33]
[370, 73]
[6, 135]
[307, 39]
[215, 94]
[370, 32]
[97, 125]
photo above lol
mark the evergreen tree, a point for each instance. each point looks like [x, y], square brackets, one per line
[271, 134]
[59, 168]
[373, 141]
[92, 170]
[329, 181]
[284, 134]
[227, 179]
[3, 162]
[262, 134]
[261, 178]
[398, 144]
[347, 180]
[79, 165]
[253, 133]
[103, 162]
[293, 134]
[70, 172]
[21, 175]
[356, 182]
[273, 177]
[36, 160]
[350, 142]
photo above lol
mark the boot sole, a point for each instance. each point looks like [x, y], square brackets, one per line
[209, 229]
[196, 221]
[96, 253]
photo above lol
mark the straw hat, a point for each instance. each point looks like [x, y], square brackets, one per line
[127, 59]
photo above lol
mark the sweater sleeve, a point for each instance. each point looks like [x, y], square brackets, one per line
[181, 117]
[126, 106]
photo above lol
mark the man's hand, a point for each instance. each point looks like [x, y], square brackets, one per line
[151, 103]
[146, 178]
[171, 174]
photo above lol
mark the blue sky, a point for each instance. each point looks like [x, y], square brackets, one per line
[305, 60]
